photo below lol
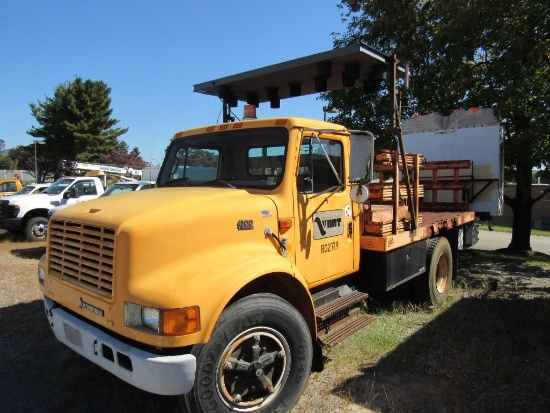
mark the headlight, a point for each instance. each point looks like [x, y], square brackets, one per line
[150, 318]
[164, 322]
[13, 210]
[41, 275]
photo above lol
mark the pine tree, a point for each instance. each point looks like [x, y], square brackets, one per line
[76, 123]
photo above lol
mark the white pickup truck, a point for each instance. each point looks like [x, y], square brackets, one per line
[30, 213]
[117, 188]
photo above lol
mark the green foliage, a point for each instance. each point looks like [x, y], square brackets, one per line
[121, 157]
[76, 122]
[7, 163]
[464, 53]
[23, 156]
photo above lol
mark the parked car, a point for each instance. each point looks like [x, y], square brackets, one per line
[123, 187]
[30, 189]
[118, 188]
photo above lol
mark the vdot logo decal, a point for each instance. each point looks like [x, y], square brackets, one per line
[327, 224]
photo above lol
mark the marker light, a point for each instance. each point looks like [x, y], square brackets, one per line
[284, 225]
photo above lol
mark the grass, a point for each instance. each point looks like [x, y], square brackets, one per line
[534, 260]
[509, 230]
[485, 349]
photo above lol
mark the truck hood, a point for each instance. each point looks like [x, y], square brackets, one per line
[161, 207]
[168, 233]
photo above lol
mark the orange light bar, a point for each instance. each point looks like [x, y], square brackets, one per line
[237, 125]
[180, 321]
[210, 129]
[280, 122]
[285, 224]
[224, 126]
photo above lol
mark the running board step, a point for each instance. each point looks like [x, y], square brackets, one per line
[344, 330]
[334, 307]
[340, 318]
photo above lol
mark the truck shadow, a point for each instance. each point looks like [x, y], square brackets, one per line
[33, 253]
[482, 354]
[41, 375]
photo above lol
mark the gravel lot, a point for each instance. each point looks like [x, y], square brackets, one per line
[41, 375]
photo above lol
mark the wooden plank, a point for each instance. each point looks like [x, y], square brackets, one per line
[460, 164]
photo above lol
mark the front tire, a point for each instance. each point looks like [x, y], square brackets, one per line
[35, 230]
[258, 359]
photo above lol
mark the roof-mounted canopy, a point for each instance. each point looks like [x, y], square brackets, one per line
[355, 65]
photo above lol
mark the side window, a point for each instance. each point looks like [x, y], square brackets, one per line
[85, 188]
[315, 173]
[8, 187]
[89, 188]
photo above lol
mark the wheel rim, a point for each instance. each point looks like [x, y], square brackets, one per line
[442, 273]
[253, 369]
[39, 230]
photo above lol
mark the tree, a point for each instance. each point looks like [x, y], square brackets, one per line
[23, 158]
[491, 53]
[5, 161]
[121, 157]
[76, 123]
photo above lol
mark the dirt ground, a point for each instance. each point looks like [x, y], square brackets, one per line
[462, 361]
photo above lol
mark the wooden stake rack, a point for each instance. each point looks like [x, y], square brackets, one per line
[389, 209]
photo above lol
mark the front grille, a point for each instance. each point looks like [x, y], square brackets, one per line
[4, 207]
[83, 255]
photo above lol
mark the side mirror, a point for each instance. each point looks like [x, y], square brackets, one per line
[359, 193]
[71, 193]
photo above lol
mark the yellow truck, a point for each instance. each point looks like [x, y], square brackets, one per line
[9, 186]
[256, 249]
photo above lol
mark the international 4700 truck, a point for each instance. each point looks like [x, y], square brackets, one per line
[255, 250]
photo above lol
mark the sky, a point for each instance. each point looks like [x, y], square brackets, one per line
[151, 53]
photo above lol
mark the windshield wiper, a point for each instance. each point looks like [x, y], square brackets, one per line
[215, 181]
[175, 181]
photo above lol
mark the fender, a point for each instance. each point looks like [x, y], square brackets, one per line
[199, 281]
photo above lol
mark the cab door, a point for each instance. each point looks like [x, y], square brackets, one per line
[325, 236]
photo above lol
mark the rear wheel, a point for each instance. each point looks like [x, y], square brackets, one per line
[35, 229]
[257, 360]
[436, 283]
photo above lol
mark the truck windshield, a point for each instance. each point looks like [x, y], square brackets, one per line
[253, 158]
[58, 186]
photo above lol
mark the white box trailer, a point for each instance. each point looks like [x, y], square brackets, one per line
[472, 134]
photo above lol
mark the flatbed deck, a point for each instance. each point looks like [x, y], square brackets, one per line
[432, 224]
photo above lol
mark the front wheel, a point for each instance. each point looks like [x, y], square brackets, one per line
[258, 359]
[35, 229]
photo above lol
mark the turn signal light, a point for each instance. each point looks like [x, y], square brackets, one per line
[180, 321]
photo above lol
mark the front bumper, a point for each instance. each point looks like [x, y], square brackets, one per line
[10, 223]
[164, 375]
